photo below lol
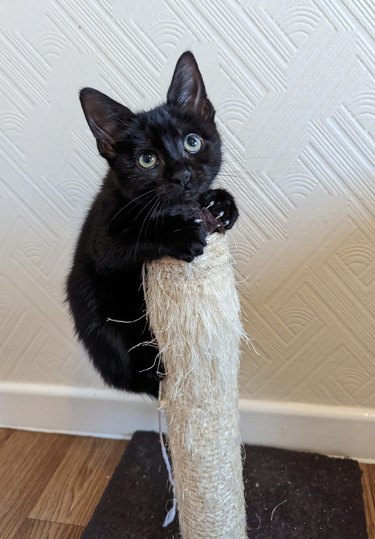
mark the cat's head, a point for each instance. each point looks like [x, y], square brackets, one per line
[173, 149]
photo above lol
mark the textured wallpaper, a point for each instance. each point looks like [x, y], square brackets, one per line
[293, 82]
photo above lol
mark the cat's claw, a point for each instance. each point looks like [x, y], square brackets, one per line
[222, 206]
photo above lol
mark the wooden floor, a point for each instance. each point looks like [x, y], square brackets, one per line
[50, 483]
[368, 482]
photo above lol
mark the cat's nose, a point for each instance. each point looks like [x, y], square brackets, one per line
[182, 178]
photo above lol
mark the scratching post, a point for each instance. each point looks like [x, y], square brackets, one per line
[193, 310]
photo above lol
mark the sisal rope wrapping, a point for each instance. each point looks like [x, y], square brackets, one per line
[193, 310]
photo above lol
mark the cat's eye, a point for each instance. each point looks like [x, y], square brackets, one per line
[147, 160]
[193, 143]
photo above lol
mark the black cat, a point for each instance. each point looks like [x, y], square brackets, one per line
[161, 165]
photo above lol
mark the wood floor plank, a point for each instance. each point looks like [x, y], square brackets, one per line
[75, 489]
[27, 461]
[368, 482]
[40, 529]
[4, 435]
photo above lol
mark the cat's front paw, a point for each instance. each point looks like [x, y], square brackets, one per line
[190, 240]
[222, 206]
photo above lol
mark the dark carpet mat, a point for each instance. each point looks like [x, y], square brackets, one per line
[288, 494]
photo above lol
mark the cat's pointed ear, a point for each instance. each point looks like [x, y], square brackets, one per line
[106, 118]
[187, 88]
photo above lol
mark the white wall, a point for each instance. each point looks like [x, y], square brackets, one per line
[294, 87]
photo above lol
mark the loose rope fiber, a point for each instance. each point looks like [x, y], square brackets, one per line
[193, 310]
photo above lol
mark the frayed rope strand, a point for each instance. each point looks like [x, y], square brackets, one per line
[171, 515]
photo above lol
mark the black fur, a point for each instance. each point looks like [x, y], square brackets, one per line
[140, 215]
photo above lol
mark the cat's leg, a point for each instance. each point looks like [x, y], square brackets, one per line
[187, 240]
[179, 236]
[148, 370]
[222, 206]
[136, 369]
[176, 236]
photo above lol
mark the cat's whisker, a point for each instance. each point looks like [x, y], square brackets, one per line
[128, 204]
[165, 207]
[143, 208]
[162, 209]
[153, 212]
[157, 219]
[143, 224]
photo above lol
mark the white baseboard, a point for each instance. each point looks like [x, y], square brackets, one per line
[331, 430]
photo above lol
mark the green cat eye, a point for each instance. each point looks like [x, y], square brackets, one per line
[147, 160]
[193, 143]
